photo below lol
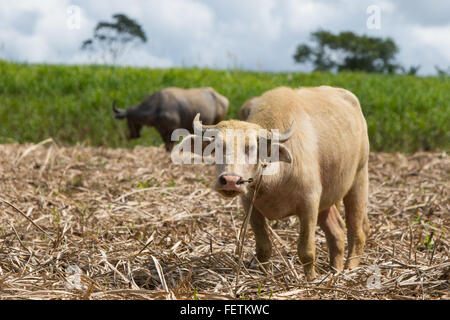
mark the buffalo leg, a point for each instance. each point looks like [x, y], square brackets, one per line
[261, 231]
[306, 245]
[167, 138]
[355, 202]
[169, 145]
[331, 223]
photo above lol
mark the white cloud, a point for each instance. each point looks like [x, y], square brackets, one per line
[435, 38]
[142, 58]
[307, 15]
[253, 34]
[434, 45]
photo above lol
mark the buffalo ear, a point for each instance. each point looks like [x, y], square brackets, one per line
[185, 150]
[189, 140]
[283, 153]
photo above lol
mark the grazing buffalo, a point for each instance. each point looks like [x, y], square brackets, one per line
[172, 108]
[323, 158]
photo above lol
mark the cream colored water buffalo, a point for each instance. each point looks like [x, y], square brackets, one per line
[323, 159]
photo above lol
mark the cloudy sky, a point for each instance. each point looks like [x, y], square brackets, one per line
[251, 34]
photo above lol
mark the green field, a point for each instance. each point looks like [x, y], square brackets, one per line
[72, 104]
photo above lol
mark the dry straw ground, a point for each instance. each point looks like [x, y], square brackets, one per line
[97, 223]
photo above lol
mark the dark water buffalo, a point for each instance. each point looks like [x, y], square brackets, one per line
[172, 108]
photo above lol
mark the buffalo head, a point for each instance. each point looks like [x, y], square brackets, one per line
[134, 125]
[241, 150]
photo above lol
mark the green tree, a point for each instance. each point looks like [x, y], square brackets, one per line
[112, 39]
[348, 51]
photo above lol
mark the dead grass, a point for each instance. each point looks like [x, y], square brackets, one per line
[97, 223]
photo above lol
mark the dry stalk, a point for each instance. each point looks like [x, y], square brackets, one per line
[132, 204]
[243, 231]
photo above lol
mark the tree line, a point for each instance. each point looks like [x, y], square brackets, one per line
[344, 51]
